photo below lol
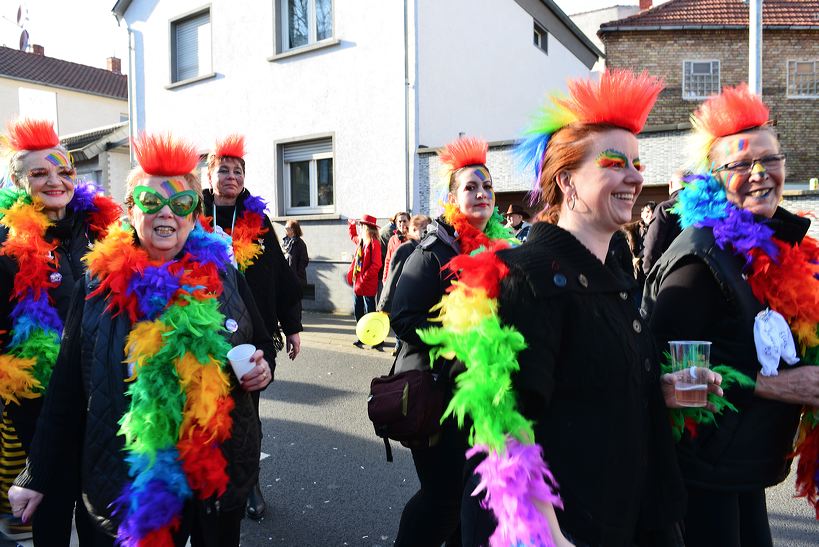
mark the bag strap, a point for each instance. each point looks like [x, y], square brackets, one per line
[388, 449]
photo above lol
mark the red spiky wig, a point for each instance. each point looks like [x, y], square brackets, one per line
[28, 134]
[620, 98]
[164, 155]
[463, 152]
[232, 146]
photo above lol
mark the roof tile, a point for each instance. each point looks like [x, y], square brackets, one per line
[56, 72]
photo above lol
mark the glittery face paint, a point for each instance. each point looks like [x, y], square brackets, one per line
[172, 186]
[638, 165]
[758, 169]
[57, 160]
[611, 159]
[733, 181]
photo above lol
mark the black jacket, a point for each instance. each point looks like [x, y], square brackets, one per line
[87, 397]
[297, 257]
[589, 380]
[72, 233]
[697, 292]
[422, 284]
[663, 228]
[274, 285]
[399, 258]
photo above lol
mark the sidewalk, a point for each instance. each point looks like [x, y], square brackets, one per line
[337, 333]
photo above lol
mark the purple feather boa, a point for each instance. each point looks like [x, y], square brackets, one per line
[84, 194]
[208, 247]
[740, 233]
[255, 204]
[30, 313]
[513, 482]
[151, 508]
[154, 289]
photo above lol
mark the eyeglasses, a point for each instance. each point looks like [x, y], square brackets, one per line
[774, 163]
[150, 201]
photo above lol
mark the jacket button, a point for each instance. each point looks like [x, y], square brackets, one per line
[637, 326]
[559, 280]
[583, 280]
[623, 295]
[647, 364]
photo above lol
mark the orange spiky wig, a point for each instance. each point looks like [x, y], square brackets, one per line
[28, 134]
[463, 152]
[232, 146]
[733, 111]
[164, 155]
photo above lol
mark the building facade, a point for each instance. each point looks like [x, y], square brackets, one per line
[336, 99]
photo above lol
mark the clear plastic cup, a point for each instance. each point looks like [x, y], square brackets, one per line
[692, 358]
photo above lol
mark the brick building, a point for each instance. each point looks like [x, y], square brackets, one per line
[700, 46]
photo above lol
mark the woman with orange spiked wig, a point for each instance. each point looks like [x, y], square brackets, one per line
[171, 440]
[233, 210]
[562, 386]
[47, 220]
[470, 223]
[743, 274]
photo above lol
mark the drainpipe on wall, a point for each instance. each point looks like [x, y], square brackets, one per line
[131, 87]
[408, 154]
[755, 46]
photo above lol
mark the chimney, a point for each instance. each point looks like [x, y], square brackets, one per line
[645, 4]
[37, 49]
[114, 64]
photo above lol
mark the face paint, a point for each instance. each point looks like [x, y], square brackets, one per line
[482, 173]
[757, 169]
[742, 144]
[172, 186]
[57, 159]
[611, 159]
[733, 181]
[638, 165]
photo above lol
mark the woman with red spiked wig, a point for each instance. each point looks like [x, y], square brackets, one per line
[562, 384]
[168, 434]
[231, 209]
[743, 275]
[470, 222]
[48, 220]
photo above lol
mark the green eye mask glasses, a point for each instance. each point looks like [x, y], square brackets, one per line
[150, 201]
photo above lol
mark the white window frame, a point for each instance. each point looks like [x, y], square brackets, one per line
[313, 208]
[312, 28]
[202, 71]
[791, 95]
[543, 38]
[716, 88]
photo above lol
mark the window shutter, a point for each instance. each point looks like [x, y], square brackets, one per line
[307, 150]
[187, 34]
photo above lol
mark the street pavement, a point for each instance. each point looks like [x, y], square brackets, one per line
[326, 479]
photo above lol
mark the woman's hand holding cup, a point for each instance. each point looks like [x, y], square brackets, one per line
[260, 375]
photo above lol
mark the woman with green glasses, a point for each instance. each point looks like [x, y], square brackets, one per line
[171, 440]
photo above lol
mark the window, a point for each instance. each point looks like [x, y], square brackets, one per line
[700, 79]
[308, 177]
[803, 79]
[306, 22]
[541, 38]
[190, 47]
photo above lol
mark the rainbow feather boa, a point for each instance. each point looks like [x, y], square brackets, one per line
[25, 369]
[781, 276]
[180, 399]
[247, 233]
[516, 481]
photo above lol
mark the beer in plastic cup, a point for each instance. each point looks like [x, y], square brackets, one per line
[691, 357]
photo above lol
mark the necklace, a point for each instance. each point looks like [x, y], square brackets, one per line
[36, 326]
[179, 392]
[247, 231]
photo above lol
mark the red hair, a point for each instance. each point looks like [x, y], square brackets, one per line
[462, 152]
[232, 146]
[620, 98]
[164, 155]
[28, 134]
[733, 111]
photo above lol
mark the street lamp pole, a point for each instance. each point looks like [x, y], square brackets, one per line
[755, 46]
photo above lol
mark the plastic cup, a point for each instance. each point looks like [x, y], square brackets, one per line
[239, 357]
[692, 358]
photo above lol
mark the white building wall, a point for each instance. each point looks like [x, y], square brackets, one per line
[480, 73]
[589, 21]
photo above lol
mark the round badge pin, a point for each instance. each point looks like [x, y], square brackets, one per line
[55, 277]
[231, 325]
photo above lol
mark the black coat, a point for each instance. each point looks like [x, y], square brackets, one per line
[297, 257]
[399, 258]
[697, 292]
[589, 380]
[72, 233]
[663, 228]
[87, 397]
[274, 285]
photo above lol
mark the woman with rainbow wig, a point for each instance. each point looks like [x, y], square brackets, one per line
[47, 221]
[743, 275]
[169, 435]
[560, 367]
[470, 224]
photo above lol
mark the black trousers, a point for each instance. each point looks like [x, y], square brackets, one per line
[205, 529]
[432, 516]
[727, 519]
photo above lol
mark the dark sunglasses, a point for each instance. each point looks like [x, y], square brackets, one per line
[150, 201]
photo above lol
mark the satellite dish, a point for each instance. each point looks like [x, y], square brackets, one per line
[24, 40]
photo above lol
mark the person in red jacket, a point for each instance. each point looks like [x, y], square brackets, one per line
[363, 273]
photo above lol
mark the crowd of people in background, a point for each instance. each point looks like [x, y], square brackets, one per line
[541, 330]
